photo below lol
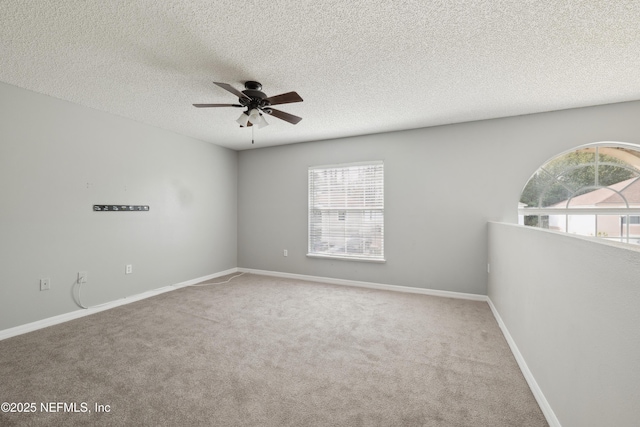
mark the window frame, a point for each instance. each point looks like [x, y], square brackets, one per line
[567, 212]
[344, 212]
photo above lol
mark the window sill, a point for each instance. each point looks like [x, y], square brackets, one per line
[347, 258]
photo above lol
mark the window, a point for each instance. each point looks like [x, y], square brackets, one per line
[346, 211]
[632, 219]
[591, 191]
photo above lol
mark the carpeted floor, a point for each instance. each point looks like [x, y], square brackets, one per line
[263, 351]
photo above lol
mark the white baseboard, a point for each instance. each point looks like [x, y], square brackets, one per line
[533, 385]
[33, 326]
[371, 285]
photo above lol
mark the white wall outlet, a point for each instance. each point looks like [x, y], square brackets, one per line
[82, 277]
[488, 268]
[45, 284]
[128, 269]
[285, 253]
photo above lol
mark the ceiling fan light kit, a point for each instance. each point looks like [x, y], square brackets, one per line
[256, 118]
[243, 120]
[257, 103]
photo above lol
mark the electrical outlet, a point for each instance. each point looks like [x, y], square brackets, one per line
[285, 253]
[128, 269]
[82, 277]
[45, 284]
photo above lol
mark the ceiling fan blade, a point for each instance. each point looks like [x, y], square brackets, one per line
[284, 116]
[285, 98]
[232, 89]
[216, 105]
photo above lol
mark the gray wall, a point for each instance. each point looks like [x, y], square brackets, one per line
[209, 204]
[57, 159]
[442, 185]
[571, 306]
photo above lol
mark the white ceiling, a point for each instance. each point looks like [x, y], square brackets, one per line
[361, 66]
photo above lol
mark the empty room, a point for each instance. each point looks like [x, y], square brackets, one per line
[320, 213]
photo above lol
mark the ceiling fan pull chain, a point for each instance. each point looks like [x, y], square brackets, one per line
[252, 133]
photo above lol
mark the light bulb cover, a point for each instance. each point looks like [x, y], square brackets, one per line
[243, 120]
[256, 118]
[261, 122]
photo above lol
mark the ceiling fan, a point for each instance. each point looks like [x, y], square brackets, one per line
[256, 103]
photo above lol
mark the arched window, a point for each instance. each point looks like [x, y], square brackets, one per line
[593, 190]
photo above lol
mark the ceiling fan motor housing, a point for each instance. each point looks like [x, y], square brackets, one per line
[252, 90]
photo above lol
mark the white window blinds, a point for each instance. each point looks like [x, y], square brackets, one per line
[346, 211]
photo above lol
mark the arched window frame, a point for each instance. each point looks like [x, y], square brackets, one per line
[567, 211]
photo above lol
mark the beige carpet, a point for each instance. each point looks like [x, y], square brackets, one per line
[262, 351]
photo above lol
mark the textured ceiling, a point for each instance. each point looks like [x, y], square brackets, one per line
[361, 66]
